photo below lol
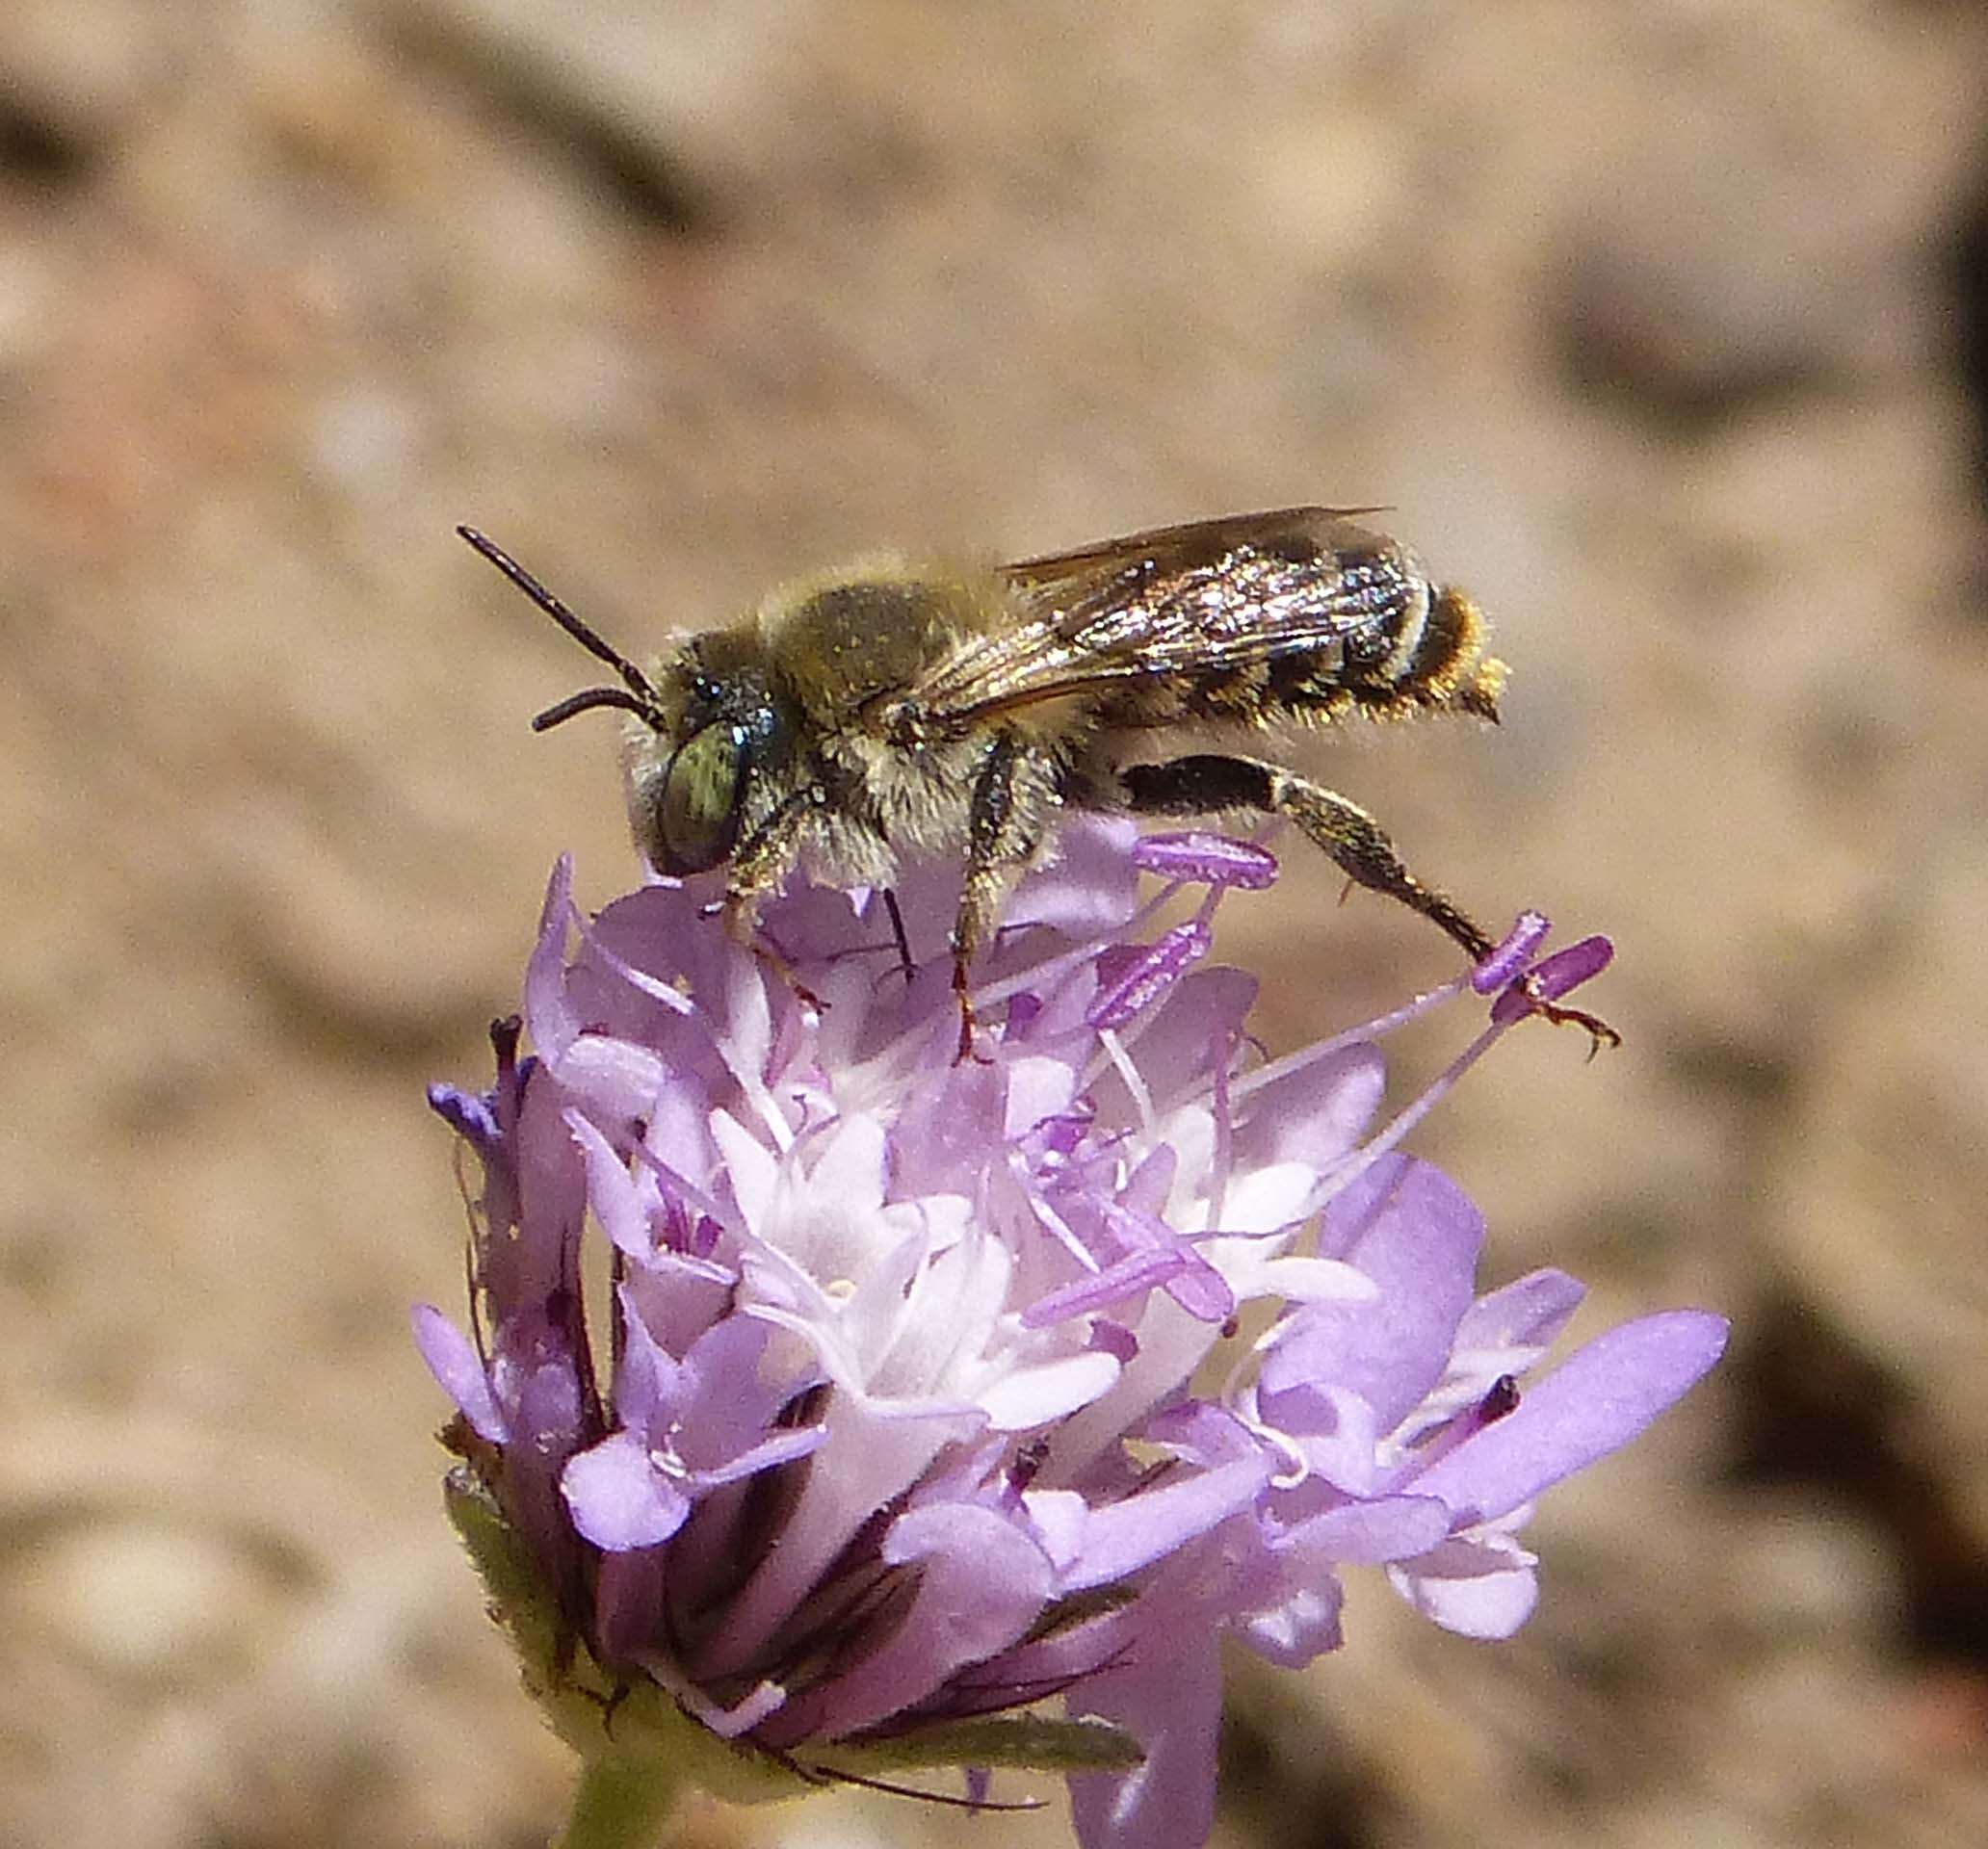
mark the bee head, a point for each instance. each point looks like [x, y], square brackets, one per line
[709, 719]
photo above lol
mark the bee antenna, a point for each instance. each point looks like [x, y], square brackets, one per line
[642, 689]
[564, 709]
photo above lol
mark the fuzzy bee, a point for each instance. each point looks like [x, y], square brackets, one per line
[902, 708]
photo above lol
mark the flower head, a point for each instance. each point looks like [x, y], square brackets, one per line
[913, 1400]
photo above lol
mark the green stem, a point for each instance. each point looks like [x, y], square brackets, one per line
[622, 1803]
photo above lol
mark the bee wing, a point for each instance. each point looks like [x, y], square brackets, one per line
[1200, 598]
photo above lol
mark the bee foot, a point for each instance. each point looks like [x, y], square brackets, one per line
[1598, 1032]
[1539, 989]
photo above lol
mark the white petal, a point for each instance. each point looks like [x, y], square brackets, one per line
[754, 1168]
[1027, 1396]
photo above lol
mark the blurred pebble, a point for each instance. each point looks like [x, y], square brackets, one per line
[80, 69]
[363, 438]
[136, 1598]
[1743, 252]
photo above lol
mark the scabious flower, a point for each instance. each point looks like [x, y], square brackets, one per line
[912, 1397]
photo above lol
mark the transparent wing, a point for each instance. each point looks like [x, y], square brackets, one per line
[1196, 600]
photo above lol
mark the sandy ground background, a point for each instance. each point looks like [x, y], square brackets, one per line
[1664, 329]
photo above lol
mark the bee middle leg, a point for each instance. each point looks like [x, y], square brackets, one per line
[1014, 794]
[899, 936]
[1207, 782]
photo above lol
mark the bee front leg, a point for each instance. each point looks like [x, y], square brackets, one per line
[1013, 797]
[1198, 785]
[742, 926]
[759, 868]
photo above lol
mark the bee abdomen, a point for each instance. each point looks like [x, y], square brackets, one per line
[1238, 694]
[1428, 658]
[1449, 667]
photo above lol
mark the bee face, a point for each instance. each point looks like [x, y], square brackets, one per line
[699, 760]
[694, 824]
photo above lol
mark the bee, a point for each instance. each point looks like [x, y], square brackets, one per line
[899, 707]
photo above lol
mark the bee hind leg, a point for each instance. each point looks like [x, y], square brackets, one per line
[1207, 782]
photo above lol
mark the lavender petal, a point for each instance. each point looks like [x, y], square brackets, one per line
[619, 1498]
[459, 1371]
[1593, 1404]
[1476, 1588]
[1171, 1704]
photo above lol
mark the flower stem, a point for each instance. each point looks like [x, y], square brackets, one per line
[622, 1803]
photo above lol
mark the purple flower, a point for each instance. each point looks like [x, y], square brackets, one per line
[898, 1415]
